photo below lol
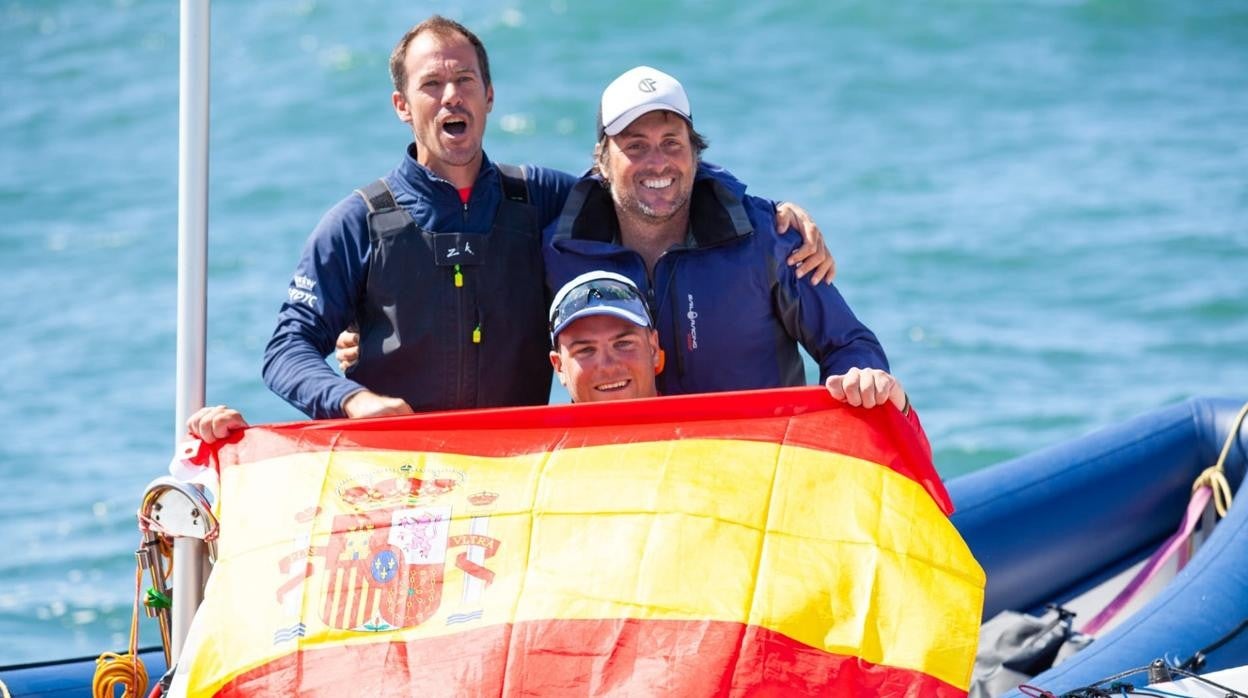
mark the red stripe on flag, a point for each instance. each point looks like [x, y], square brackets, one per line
[806, 417]
[587, 657]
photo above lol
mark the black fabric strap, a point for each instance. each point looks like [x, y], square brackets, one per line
[385, 217]
[377, 196]
[515, 187]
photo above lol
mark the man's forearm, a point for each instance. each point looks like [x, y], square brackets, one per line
[297, 373]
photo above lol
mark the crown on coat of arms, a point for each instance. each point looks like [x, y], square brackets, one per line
[410, 486]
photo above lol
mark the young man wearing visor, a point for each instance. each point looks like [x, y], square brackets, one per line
[605, 347]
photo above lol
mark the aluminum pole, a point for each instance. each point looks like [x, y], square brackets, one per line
[192, 210]
[189, 561]
[188, 590]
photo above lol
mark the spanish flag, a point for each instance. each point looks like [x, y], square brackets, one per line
[758, 543]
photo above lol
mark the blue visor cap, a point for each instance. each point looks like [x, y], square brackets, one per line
[598, 293]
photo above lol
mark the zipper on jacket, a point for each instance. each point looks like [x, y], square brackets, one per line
[678, 341]
[464, 301]
[680, 344]
[462, 398]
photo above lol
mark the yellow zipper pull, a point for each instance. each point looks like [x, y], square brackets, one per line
[459, 277]
[476, 335]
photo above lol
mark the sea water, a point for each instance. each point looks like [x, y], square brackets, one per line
[1041, 207]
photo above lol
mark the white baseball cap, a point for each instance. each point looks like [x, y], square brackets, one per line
[598, 293]
[640, 91]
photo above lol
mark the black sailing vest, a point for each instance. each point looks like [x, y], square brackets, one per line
[455, 320]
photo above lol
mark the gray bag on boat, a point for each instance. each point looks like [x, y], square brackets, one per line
[1014, 647]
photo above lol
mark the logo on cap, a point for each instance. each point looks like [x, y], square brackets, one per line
[647, 85]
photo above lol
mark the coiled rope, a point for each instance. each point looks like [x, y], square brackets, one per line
[125, 670]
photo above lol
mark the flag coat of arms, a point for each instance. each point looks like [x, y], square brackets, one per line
[756, 543]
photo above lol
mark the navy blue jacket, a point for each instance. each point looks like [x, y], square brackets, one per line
[324, 294]
[729, 310]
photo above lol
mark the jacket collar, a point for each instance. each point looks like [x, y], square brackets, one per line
[422, 177]
[716, 213]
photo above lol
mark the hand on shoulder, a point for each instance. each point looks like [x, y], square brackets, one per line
[813, 256]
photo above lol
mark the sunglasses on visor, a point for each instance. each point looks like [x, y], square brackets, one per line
[597, 292]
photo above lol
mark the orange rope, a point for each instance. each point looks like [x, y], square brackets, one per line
[127, 671]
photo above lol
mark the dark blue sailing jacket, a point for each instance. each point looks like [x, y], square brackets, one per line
[440, 336]
[729, 310]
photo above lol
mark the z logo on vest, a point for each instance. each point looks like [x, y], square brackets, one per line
[464, 249]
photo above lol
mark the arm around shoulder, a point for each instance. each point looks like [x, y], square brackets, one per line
[548, 190]
[812, 257]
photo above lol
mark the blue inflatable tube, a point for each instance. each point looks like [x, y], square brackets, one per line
[68, 678]
[1052, 524]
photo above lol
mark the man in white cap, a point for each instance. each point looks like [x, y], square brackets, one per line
[729, 313]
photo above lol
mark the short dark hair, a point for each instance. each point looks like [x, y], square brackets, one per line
[445, 28]
[697, 141]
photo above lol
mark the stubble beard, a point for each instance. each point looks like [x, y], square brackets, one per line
[633, 207]
[458, 156]
[446, 154]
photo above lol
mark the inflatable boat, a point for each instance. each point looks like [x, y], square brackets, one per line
[1069, 526]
